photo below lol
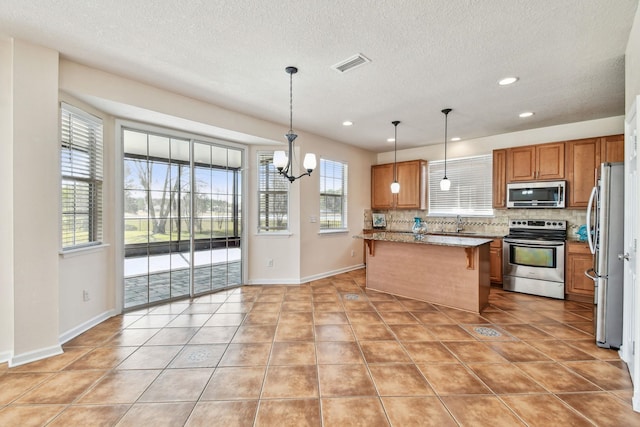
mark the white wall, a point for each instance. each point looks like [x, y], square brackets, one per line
[35, 200]
[479, 146]
[632, 93]
[6, 195]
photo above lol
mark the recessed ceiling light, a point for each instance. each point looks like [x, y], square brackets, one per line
[391, 140]
[456, 138]
[507, 81]
[347, 123]
[526, 114]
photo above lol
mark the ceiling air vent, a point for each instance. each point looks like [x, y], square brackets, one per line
[351, 63]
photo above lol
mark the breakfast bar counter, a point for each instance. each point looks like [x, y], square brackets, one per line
[446, 270]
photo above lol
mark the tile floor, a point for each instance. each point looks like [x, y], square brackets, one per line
[328, 353]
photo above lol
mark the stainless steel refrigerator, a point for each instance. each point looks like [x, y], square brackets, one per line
[605, 219]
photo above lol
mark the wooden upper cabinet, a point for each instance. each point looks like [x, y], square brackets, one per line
[612, 148]
[381, 179]
[550, 161]
[499, 178]
[412, 177]
[536, 162]
[583, 158]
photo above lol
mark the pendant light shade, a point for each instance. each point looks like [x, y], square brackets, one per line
[445, 184]
[281, 160]
[395, 185]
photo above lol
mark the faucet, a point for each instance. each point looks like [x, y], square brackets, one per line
[458, 224]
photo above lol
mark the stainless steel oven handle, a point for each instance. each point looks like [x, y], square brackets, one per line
[534, 243]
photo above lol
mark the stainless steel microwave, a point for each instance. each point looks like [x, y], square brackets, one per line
[540, 194]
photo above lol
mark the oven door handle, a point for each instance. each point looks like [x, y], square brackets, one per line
[533, 243]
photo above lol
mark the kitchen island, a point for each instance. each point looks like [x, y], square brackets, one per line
[446, 270]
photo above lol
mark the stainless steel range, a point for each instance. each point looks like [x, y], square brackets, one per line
[533, 257]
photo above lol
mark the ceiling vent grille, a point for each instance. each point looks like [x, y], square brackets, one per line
[351, 63]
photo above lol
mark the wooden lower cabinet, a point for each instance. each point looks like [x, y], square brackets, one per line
[578, 287]
[495, 261]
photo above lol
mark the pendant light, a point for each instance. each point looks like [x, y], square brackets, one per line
[281, 161]
[445, 184]
[395, 185]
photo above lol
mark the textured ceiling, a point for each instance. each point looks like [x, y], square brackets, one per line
[426, 55]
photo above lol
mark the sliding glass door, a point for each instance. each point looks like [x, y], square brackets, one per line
[182, 217]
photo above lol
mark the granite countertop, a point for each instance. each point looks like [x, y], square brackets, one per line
[425, 239]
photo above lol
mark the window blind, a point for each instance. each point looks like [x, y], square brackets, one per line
[471, 186]
[81, 171]
[333, 195]
[273, 196]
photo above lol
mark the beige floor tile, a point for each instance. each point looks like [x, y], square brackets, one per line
[366, 317]
[293, 353]
[225, 319]
[12, 385]
[359, 411]
[29, 415]
[157, 414]
[384, 352]
[556, 378]
[399, 380]
[450, 333]
[602, 409]
[289, 413]
[417, 411]
[338, 353]
[412, 333]
[246, 355]
[235, 383]
[603, 374]
[518, 352]
[526, 332]
[429, 352]
[480, 411]
[290, 382]
[433, 318]
[555, 412]
[294, 332]
[214, 335]
[505, 378]
[120, 386]
[372, 332]
[87, 416]
[334, 333]
[152, 357]
[398, 317]
[172, 336]
[177, 385]
[261, 318]
[345, 380]
[296, 318]
[102, 358]
[330, 318]
[473, 351]
[223, 414]
[254, 333]
[54, 363]
[131, 337]
[451, 379]
[559, 350]
[62, 387]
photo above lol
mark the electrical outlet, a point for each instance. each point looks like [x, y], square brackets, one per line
[85, 295]
[313, 219]
[269, 262]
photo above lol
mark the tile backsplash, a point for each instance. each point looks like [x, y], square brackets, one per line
[497, 225]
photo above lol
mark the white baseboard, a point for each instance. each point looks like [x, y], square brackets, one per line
[331, 273]
[35, 355]
[5, 356]
[74, 332]
[635, 401]
[304, 279]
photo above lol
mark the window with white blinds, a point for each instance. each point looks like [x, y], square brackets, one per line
[471, 186]
[81, 171]
[333, 195]
[273, 196]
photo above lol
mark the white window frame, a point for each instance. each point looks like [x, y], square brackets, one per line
[343, 169]
[471, 192]
[283, 190]
[81, 178]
